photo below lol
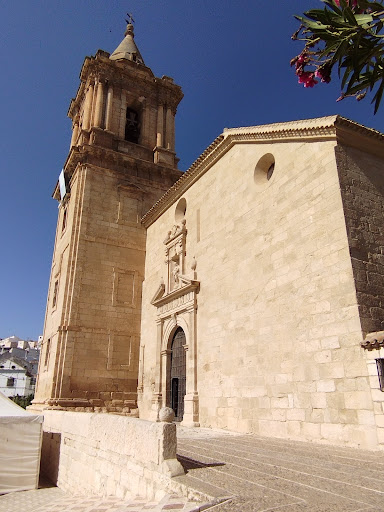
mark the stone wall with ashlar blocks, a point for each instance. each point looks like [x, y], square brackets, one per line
[278, 323]
[106, 454]
[362, 188]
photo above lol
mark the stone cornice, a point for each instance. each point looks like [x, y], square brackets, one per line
[190, 286]
[373, 340]
[336, 128]
[113, 161]
[107, 158]
[124, 74]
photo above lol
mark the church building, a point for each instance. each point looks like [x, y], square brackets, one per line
[246, 293]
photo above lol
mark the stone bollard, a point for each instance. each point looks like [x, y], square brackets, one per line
[170, 466]
[166, 414]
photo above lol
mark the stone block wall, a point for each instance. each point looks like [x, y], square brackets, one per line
[91, 358]
[362, 188]
[277, 325]
[106, 454]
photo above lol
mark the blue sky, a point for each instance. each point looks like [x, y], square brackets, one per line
[230, 57]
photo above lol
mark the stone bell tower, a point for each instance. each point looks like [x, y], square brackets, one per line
[121, 160]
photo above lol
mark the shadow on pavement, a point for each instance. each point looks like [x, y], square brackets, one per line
[188, 463]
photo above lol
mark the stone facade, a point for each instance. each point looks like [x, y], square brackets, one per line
[109, 455]
[121, 161]
[273, 333]
[362, 188]
[262, 268]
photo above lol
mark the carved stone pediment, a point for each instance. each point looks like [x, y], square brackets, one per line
[176, 286]
[177, 297]
[159, 294]
[177, 231]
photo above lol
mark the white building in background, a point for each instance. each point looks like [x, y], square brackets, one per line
[10, 342]
[19, 361]
[16, 342]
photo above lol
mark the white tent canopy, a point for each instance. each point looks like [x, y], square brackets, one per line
[20, 437]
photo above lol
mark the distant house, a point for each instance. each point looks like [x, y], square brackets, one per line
[15, 342]
[11, 341]
[19, 362]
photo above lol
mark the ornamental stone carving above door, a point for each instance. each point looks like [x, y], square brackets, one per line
[176, 303]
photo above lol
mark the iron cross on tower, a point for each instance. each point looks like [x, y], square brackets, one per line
[130, 19]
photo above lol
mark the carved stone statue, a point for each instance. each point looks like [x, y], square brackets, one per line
[175, 273]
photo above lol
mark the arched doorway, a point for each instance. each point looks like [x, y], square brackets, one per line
[177, 374]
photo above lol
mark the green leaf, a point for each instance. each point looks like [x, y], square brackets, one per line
[347, 74]
[349, 15]
[343, 4]
[341, 50]
[362, 19]
[318, 15]
[379, 26]
[377, 97]
[354, 89]
[354, 41]
[329, 49]
[332, 6]
[313, 25]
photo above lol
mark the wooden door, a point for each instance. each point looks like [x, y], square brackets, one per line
[177, 374]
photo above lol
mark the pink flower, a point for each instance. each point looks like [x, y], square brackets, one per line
[324, 73]
[307, 78]
[302, 58]
[352, 3]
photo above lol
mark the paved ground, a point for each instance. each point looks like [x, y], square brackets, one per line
[54, 499]
[272, 474]
[244, 474]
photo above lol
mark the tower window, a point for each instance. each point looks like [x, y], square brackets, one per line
[47, 352]
[132, 128]
[55, 289]
[64, 224]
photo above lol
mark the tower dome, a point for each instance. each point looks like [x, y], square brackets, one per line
[127, 49]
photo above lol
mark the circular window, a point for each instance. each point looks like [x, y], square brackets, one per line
[264, 169]
[181, 208]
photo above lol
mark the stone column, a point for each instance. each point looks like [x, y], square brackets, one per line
[93, 107]
[140, 380]
[123, 115]
[160, 126]
[170, 131]
[148, 133]
[165, 362]
[156, 396]
[143, 122]
[99, 105]
[191, 399]
[108, 116]
[88, 108]
[159, 329]
[75, 133]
